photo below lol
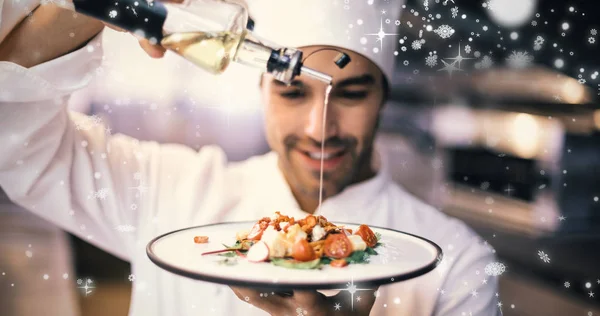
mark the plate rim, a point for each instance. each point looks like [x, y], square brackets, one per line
[296, 286]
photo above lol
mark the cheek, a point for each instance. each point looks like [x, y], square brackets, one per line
[280, 122]
[358, 122]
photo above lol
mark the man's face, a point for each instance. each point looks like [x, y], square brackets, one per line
[294, 123]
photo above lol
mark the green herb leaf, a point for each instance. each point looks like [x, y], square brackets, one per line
[237, 245]
[378, 235]
[326, 260]
[359, 257]
[240, 245]
[230, 254]
[371, 251]
[294, 264]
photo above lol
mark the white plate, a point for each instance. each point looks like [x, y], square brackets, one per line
[401, 257]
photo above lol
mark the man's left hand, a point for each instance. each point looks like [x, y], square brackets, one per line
[309, 302]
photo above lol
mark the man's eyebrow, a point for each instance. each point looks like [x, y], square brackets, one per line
[359, 80]
[295, 83]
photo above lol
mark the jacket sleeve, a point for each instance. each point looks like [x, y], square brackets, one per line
[58, 164]
[67, 168]
[471, 285]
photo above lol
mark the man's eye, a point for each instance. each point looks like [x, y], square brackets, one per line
[292, 94]
[353, 95]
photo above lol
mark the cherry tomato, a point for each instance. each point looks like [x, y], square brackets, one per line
[337, 246]
[367, 235]
[339, 263]
[302, 251]
[257, 231]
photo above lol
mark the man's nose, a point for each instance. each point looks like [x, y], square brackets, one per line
[321, 117]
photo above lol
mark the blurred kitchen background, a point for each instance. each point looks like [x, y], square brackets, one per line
[494, 119]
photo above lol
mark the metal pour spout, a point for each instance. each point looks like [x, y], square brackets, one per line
[316, 74]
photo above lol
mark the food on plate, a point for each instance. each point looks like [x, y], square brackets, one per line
[308, 243]
[201, 239]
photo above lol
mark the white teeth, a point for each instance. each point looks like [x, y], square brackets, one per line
[318, 155]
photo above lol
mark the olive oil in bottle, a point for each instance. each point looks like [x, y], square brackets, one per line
[210, 51]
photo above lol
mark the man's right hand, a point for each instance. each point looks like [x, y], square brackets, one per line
[154, 51]
[50, 32]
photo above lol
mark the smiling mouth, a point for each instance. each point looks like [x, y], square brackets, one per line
[317, 155]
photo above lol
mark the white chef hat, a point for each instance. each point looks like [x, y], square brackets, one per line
[348, 24]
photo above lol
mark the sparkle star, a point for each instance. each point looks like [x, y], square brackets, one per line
[337, 306]
[562, 218]
[358, 298]
[484, 281]
[459, 57]
[352, 289]
[141, 188]
[500, 304]
[381, 35]
[474, 293]
[450, 68]
[88, 287]
[591, 294]
[383, 11]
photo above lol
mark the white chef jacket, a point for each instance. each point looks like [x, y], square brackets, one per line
[118, 193]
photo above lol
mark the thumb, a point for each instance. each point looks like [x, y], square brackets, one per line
[154, 51]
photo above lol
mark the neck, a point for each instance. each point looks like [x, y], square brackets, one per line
[310, 203]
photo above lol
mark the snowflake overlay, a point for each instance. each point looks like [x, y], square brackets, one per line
[519, 60]
[431, 60]
[417, 44]
[88, 122]
[454, 12]
[125, 228]
[495, 269]
[544, 256]
[101, 194]
[537, 44]
[444, 31]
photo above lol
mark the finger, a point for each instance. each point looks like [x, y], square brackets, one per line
[155, 51]
[308, 298]
[116, 28]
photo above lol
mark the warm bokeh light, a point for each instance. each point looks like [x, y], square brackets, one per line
[525, 135]
[573, 92]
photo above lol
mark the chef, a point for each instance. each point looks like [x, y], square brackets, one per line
[83, 177]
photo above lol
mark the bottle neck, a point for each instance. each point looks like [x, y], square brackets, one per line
[252, 53]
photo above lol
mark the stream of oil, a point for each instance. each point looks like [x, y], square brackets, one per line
[326, 103]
